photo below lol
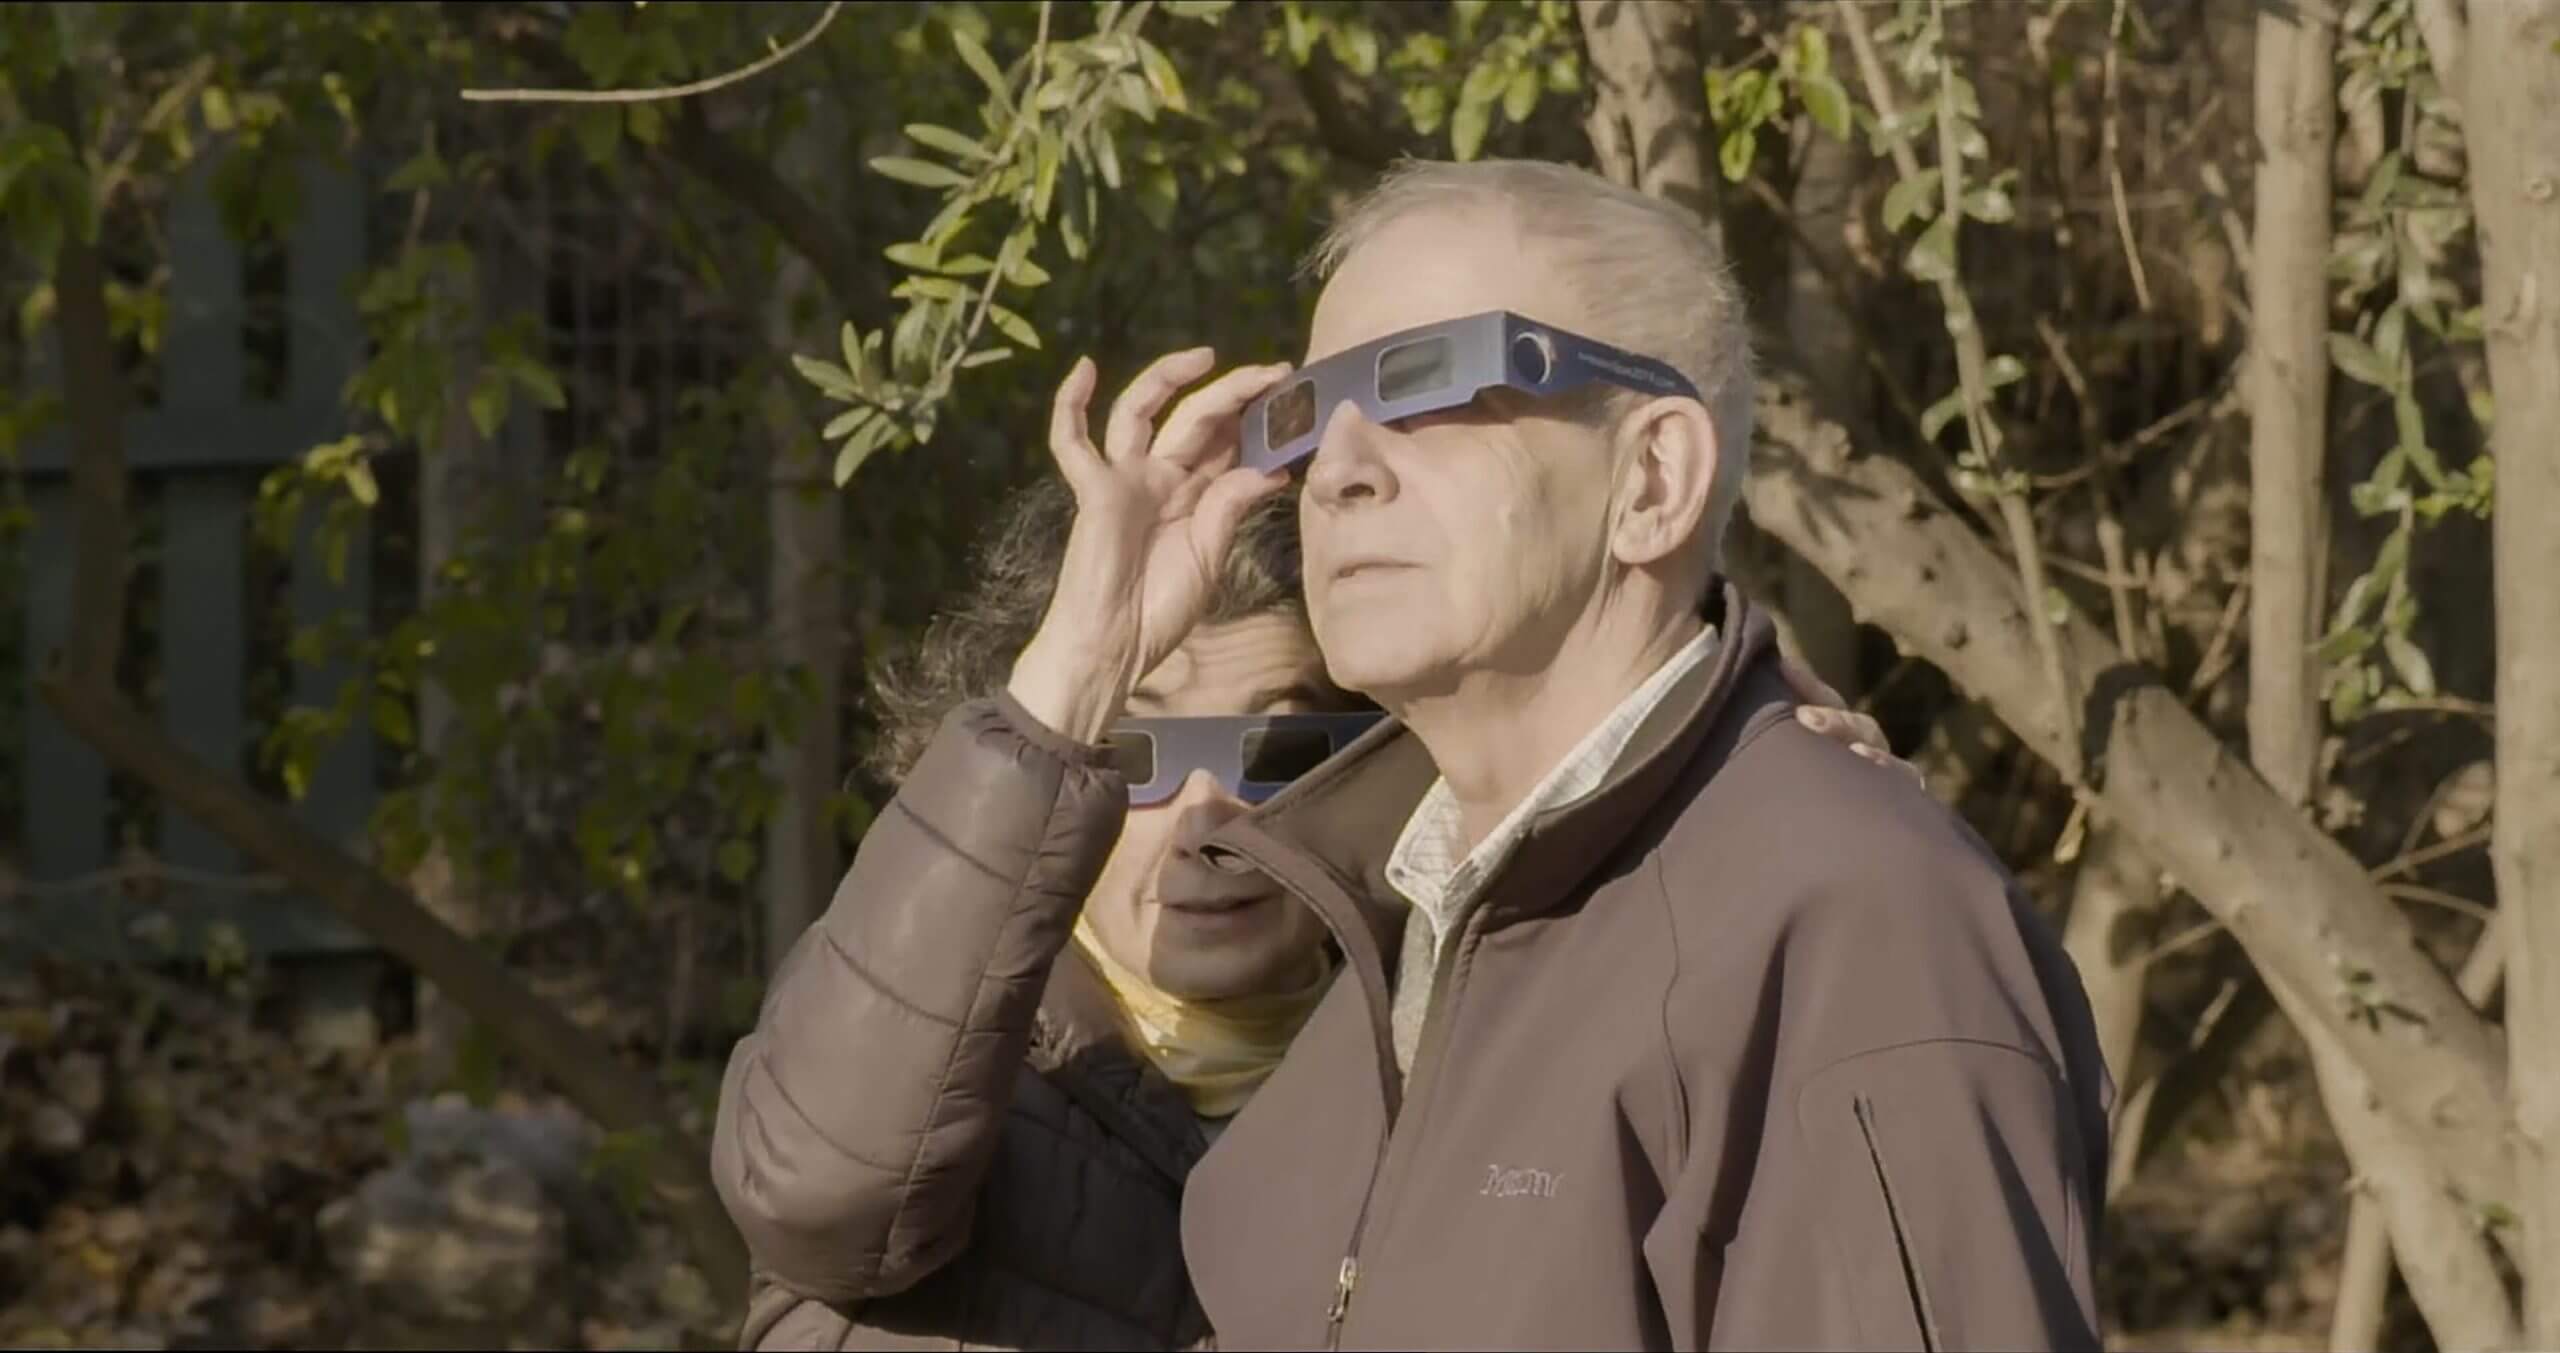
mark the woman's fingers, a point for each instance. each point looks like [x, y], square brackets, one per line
[1204, 423]
[1132, 423]
[1070, 443]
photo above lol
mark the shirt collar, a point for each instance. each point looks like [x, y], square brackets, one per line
[1427, 866]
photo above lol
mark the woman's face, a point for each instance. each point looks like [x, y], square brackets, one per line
[1158, 907]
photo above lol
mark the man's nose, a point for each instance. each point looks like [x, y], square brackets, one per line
[1201, 807]
[1350, 466]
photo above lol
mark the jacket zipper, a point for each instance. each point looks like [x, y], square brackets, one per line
[1426, 1057]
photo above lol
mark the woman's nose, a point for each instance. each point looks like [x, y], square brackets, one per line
[1202, 806]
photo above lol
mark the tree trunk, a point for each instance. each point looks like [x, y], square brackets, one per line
[2115, 909]
[2297, 119]
[2511, 128]
[804, 582]
[1649, 121]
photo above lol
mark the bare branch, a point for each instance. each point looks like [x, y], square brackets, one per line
[703, 86]
[2440, 28]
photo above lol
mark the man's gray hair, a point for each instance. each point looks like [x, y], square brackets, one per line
[1650, 277]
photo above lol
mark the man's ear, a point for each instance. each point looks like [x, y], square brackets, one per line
[1670, 458]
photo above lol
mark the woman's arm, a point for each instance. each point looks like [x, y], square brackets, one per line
[858, 1119]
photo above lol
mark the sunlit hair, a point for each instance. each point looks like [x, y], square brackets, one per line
[1651, 279]
[968, 650]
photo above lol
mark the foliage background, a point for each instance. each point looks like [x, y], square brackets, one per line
[673, 414]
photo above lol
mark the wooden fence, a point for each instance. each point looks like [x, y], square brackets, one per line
[203, 445]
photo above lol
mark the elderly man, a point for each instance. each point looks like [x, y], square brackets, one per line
[1665, 1023]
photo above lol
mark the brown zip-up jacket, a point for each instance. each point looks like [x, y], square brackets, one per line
[1755, 1046]
[937, 1135]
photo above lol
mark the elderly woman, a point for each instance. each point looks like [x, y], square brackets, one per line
[967, 1110]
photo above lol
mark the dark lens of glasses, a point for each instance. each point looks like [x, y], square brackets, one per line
[1135, 755]
[1416, 368]
[1275, 756]
[1291, 414]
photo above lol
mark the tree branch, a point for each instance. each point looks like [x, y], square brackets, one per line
[2440, 29]
[744, 178]
[702, 86]
[2513, 102]
[2297, 901]
[2288, 385]
[93, 397]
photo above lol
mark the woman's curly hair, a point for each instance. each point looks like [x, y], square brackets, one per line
[967, 651]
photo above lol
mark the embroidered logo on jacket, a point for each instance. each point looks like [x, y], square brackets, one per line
[1519, 1183]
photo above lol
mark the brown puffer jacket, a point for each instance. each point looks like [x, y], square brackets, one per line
[937, 1137]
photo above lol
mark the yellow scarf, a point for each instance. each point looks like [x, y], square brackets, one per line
[1217, 1052]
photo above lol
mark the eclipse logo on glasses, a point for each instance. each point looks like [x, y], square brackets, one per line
[1439, 366]
[1254, 756]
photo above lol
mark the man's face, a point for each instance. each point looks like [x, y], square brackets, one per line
[1158, 907]
[1461, 541]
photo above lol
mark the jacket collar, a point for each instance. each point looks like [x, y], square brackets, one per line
[1078, 1041]
[1327, 837]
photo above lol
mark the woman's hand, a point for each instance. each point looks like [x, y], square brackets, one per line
[1155, 514]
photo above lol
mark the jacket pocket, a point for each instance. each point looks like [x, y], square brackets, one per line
[1912, 1278]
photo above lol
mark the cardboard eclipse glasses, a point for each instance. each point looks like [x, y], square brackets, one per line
[1439, 366]
[1253, 756]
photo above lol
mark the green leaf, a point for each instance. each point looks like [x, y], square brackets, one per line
[391, 720]
[1483, 84]
[859, 448]
[2410, 661]
[912, 254]
[922, 173]
[1468, 126]
[1827, 104]
[1106, 157]
[1197, 9]
[1045, 177]
[2412, 427]
[857, 355]
[983, 356]
[1298, 32]
[218, 114]
[1916, 196]
[426, 169]
[361, 484]
[827, 376]
[933, 289]
[1945, 411]
[2002, 370]
[2360, 362]
[947, 141]
[1933, 255]
[1014, 326]
[1520, 96]
[488, 404]
[1159, 193]
[1812, 51]
[843, 424]
[737, 860]
[1991, 205]
[1355, 45]
[599, 131]
[1427, 106]
[1161, 76]
[1022, 272]
[1734, 154]
[975, 57]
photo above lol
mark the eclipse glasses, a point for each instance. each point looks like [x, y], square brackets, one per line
[1439, 366]
[1254, 755]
